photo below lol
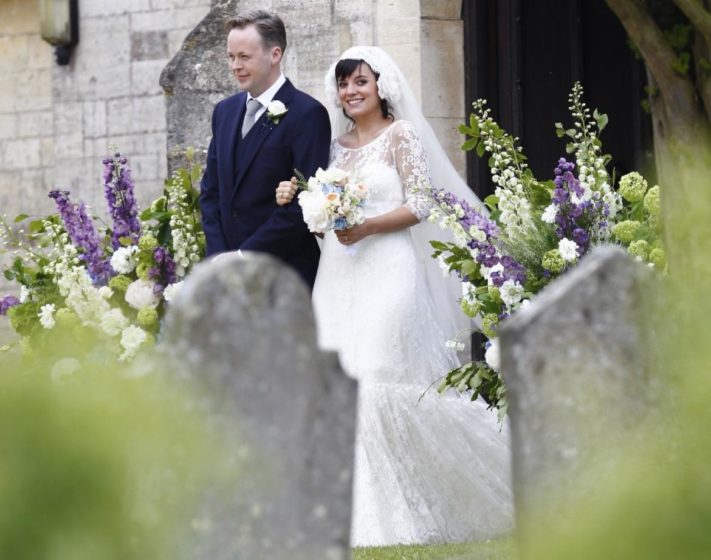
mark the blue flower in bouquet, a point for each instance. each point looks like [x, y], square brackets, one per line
[7, 302]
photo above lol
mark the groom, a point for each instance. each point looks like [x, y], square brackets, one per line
[259, 136]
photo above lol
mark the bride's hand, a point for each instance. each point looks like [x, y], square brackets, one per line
[354, 234]
[285, 192]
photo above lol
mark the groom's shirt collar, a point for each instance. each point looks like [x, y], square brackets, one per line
[266, 97]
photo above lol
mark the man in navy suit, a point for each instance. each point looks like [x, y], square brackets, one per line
[259, 137]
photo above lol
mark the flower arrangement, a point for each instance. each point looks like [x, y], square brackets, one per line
[331, 199]
[532, 231]
[114, 281]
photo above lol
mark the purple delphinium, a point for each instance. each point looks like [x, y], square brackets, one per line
[7, 302]
[163, 273]
[81, 231]
[119, 192]
[486, 252]
[576, 218]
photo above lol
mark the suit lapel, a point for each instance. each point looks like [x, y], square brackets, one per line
[235, 130]
[249, 146]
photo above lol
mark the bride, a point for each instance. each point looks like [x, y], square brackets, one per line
[428, 468]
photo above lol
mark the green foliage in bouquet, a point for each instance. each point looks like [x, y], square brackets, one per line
[532, 231]
[77, 278]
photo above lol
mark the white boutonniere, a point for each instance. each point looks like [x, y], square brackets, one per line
[276, 110]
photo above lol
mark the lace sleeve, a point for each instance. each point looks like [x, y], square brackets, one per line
[411, 164]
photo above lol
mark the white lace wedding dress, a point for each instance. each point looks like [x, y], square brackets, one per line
[435, 469]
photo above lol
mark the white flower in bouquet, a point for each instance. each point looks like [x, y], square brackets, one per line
[568, 249]
[131, 339]
[313, 206]
[123, 260]
[492, 356]
[332, 175]
[549, 214]
[113, 322]
[25, 294]
[511, 293]
[141, 293]
[46, 316]
[170, 291]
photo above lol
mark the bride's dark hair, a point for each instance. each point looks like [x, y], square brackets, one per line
[345, 68]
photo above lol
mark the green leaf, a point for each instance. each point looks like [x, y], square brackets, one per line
[480, 149]
[21, 217]
[469, 144]
[469, 267]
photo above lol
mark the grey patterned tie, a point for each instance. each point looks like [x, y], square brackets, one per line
[252, 107]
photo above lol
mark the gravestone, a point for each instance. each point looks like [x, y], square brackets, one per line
[243, 331]
[576, 366]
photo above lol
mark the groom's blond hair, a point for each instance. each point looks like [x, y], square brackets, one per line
[269, 26]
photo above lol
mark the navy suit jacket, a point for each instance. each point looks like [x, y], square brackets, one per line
[241, 175]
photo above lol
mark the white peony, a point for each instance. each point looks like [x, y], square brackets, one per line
[46, 316]
[316, 216]
[568, 249]
[170, 291]
[492, 356]
[332, 176]
[131, 339]
[113, 322]
[123, 260]
[140, 294]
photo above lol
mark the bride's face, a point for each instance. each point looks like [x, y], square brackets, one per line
[358, 92]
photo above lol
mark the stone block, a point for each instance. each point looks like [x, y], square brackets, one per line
[101, 8]
[94, 119]
[18, 17]
[149, 45]
[8, 125]
[448, 135]
[33, 90]
[67, 117]
[145, 77]
[105, 41]
[575, 365]
[34, 124]
[119, 116]
[21, 154]
[100, 82]
[243, 331]
[441, 9]
[442, 67]
[40, 54]
[13, 51]
[168, 20]
[177, 4]
[68, 146]
[149, 113]
[7, 96]
[47, 151]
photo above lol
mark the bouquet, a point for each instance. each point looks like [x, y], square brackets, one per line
[331, 200]
[112, 282]
[534, 231]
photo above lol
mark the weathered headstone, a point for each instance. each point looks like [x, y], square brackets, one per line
[243, 330]
[577, 372]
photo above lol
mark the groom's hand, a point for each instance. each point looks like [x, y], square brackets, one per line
[285, 192]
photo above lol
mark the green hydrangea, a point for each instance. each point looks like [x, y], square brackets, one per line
[142, 270]
[658, 257]
[147, 316]
[147, 243]
[66, 318]
[495, 293]
[652, 202]
[639, 248]
[488, 324]
[625, 231]
[470, 307]
[553, 261]
[633, 186]
[119, 283]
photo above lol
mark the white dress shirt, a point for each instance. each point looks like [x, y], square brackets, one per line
[266, 97]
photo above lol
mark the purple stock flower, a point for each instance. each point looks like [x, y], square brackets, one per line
[119, 192]
[83, 235]
[7, 302]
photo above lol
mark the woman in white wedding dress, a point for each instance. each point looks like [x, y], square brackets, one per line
[428, 469]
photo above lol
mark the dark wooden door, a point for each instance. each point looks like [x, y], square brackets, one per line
[523, 56]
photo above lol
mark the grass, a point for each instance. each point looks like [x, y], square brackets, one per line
[501, 549]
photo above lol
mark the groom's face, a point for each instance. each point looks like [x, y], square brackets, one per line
[254, 65]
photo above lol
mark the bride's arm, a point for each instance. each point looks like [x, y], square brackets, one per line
[395, 220]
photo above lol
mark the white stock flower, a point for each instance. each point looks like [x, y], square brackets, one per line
[492, 356]
[456, 345]
[131, 339]
[170, 291]
[511, 292]
[568, 249]
[25, 294]
[487, 272]
[113, 322]
[140, 294]
[123, 261]
[549, 214]
[46, 316]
